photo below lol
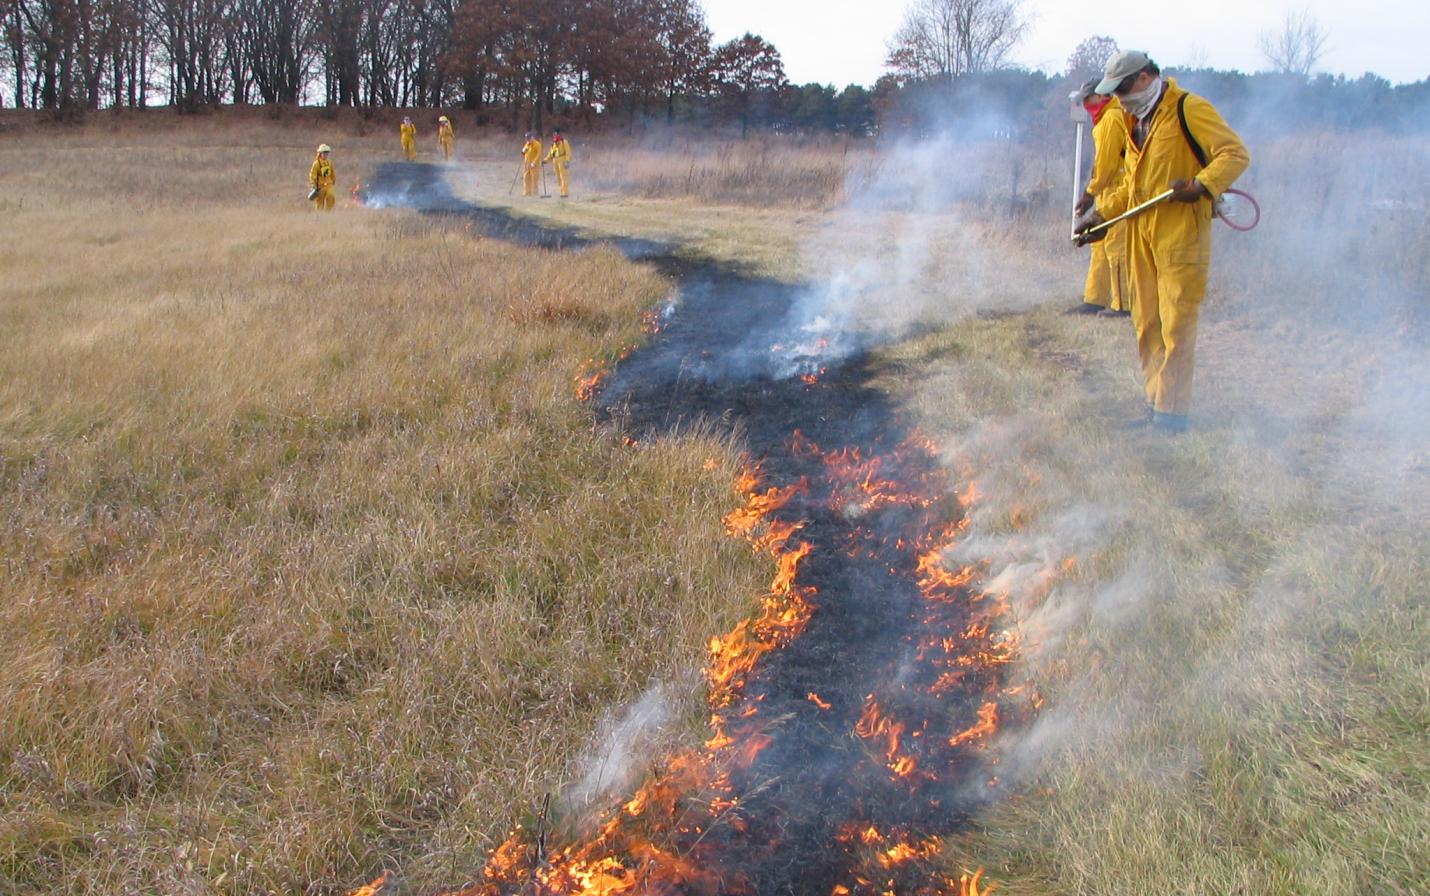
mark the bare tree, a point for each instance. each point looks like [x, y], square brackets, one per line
[1090, 58]
[955, 37]
[1297, 46]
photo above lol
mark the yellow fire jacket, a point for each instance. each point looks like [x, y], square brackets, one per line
[1181, 228]
[322, 174]
[531, 151]
[1109, 146]
[560, 151]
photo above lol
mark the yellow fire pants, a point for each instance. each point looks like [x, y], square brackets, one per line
[409, 148]
[531, 179]
[446, 148]
[563, 180]
[1107, 277]
[1167, 290]
[325, 200]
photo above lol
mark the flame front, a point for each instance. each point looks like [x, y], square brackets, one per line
[850, 787]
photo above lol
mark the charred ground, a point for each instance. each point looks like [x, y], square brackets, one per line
[848, 734]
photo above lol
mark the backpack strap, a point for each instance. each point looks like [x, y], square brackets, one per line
[1187, 132]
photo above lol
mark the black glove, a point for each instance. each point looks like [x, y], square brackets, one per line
[1084, 233]
[1190, 190]
[1084, 203]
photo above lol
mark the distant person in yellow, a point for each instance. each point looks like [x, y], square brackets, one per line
[322, 178]
[409, 139]
[1178, 141]
[445, 137]
[1106, 292]
[531, 165]
[560, 157]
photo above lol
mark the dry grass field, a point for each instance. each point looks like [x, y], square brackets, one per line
[313, 563]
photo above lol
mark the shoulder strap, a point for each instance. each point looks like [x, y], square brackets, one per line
[1187, 132]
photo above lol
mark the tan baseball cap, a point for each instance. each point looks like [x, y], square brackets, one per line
[1119, 67]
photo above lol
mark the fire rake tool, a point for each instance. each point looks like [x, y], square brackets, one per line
[519, 170]
[1079, 116]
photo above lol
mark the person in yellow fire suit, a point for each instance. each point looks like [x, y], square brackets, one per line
[409, 139]
[1178, 141]
[530, 165]
[1106, 291]
[560, 157]
[446, 137]
[322, 178]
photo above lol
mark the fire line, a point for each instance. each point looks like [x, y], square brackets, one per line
[853, 716]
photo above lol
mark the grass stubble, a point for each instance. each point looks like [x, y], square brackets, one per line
[1228, 628]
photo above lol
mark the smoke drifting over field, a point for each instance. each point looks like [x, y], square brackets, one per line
[1216, 586]
[909, 249]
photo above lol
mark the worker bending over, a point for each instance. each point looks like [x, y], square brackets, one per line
[322, 178]
[531, 165]
[409, 139]
[560, 157]
[445, 137]
[1176, 140]
[1107, 291]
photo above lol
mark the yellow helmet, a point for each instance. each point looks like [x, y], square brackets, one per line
[323, 147]
[442, 118]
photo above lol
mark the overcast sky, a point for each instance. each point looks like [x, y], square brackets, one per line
[841, 42]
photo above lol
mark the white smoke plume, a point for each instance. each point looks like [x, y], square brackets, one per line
[908, 249]
[620, 751]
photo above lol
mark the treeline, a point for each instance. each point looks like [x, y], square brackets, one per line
[518, 63]
[517, 57]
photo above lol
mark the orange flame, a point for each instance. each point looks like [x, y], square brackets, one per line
[657, 841]
[589, 381]
[373, 888]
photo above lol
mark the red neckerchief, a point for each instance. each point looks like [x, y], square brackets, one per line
[1096, 111]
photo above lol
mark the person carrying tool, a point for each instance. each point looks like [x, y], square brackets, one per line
[1178, 144]
[531, 165]
[409, 139]
[445, 137]
[322, 178]
[560, 156]
[1106, 291]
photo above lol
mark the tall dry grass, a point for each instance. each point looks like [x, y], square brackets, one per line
[799, 172]
[312, 561]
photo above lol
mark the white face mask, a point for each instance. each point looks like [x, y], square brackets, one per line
[1140, 103]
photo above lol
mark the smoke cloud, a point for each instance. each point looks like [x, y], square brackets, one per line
[621, 751]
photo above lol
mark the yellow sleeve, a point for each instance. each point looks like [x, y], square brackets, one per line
[1227, 157]
[1118, 197]
[313, 173]
[1109, 149]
